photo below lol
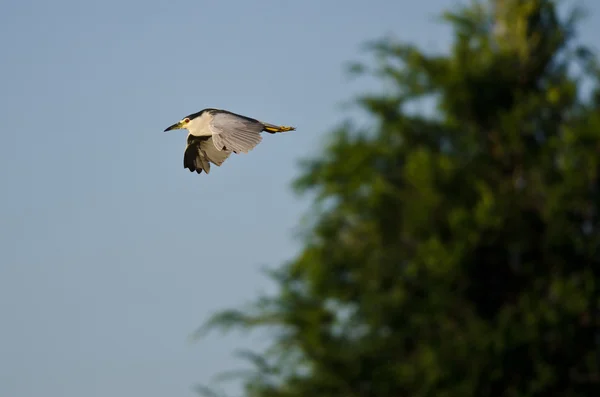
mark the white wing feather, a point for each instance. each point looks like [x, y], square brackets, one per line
[235, 133]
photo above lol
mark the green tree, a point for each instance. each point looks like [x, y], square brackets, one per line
[457, 254]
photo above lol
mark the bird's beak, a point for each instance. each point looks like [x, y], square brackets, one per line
[175, 126]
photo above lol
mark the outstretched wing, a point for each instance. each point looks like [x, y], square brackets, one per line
[234, 132]
[200, 152]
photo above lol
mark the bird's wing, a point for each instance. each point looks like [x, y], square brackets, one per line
[234, 132]
[200, 152]
[217, 157]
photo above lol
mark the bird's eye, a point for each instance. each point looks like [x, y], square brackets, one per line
[186, 120]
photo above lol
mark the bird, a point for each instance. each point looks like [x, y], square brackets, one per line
[213, 134]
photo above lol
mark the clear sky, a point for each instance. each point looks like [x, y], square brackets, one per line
[111, 254]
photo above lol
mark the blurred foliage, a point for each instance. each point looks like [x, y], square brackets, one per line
[451, 255]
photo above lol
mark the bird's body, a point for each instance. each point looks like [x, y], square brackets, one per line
[213, 134]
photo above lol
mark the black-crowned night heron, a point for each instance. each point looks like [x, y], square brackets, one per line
[213, 134]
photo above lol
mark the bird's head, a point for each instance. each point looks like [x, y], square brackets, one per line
[182, 124]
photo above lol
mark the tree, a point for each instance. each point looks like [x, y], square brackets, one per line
[457, 254]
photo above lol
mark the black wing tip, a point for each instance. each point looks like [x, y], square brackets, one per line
[190, 160]
[192, 168]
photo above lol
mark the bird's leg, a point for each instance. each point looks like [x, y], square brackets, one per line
[274, 129]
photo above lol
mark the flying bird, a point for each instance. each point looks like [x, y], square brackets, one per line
[213, 134]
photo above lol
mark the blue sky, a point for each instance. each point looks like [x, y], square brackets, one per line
[111, 254]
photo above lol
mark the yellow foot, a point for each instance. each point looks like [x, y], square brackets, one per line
[282, 128]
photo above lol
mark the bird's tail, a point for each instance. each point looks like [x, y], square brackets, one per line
[273, 129]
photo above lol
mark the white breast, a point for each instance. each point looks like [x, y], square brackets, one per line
[200, 125]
